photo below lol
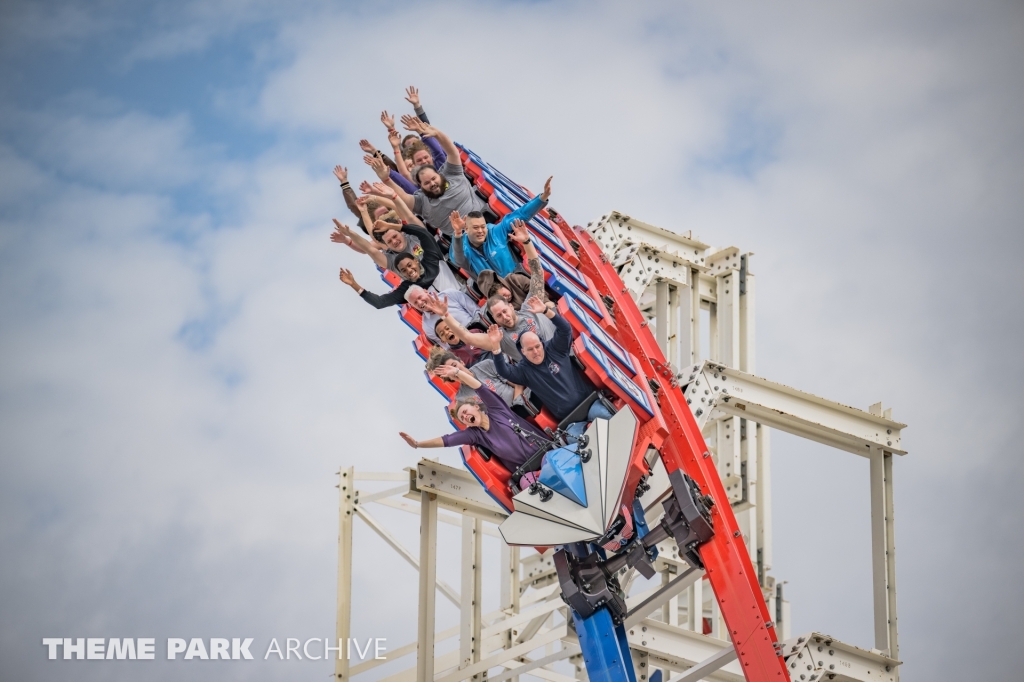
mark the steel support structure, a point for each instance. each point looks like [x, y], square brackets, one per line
[688, 310]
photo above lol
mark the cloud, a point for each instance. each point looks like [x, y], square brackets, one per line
[182, 374]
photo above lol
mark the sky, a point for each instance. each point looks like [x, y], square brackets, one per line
[182, 374]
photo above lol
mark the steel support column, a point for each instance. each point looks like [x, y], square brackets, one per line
[428, 577]
[883, 553]
[343, 624]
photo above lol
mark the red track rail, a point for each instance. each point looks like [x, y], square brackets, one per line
[729, 570]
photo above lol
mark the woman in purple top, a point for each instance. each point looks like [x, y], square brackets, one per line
[489, 422]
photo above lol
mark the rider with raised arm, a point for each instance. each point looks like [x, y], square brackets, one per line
[489, 422]
[439, 193]
[549, 372]
[477, 246]
[530, 316]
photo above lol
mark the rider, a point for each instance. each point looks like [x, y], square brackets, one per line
[489, 422]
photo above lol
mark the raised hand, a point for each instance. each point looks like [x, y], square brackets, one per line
[494, 335]
[437, 304]
[365, 187]
[412, 95]
[382, 190]
[412, 123]
[413, 443]
[446, 372]
[535, 305]
[347, 277]
[341, 233]
[458, 223]
[415, 125]
[395, 138]
[367, 147]
[378, 167]
[341, 173]
[388, 120]
[546, 194]
[519, 232]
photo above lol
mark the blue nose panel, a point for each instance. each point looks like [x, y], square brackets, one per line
[562, 471]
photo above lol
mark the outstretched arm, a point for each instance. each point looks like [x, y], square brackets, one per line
[456, 251]
[347, 192]
[412, 96]
[417, 126]
[400, 207]
[511, 373]
[520, 234]
[464, 377]
[439, 306]
[342, 231]
[385, 176]
[413, 443]
[387, 300]
[395, 138]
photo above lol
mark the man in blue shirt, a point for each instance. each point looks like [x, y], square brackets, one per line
[548, 370]
[477, 246]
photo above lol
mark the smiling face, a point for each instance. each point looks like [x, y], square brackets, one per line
[446, 335]
[533, 349]
[430, 182]
[476, 228]
[410, 269]
[419, 300]
[503, 314]
[394, 240]
[422, 157]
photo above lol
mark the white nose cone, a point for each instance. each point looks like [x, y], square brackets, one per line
[561, 520]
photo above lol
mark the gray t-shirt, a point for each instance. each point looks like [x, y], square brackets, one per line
[445, 279]
[459, 196]
[526, 322]
[486, 374]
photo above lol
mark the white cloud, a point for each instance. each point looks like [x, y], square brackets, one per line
[179, 386]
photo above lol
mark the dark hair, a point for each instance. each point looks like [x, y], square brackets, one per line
[406, 138]
[419, 169]
[475, 214]
[401, 258]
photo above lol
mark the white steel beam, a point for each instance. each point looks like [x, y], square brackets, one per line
[815, 656]
[386, 535]
[456, 490]
[708, 666]
[343, 625]
[428, 578]
[735, 393]
[472, 594]
[678, 649]
[883, 553]
[517, 668]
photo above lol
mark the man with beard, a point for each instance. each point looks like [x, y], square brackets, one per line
[439, 193]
